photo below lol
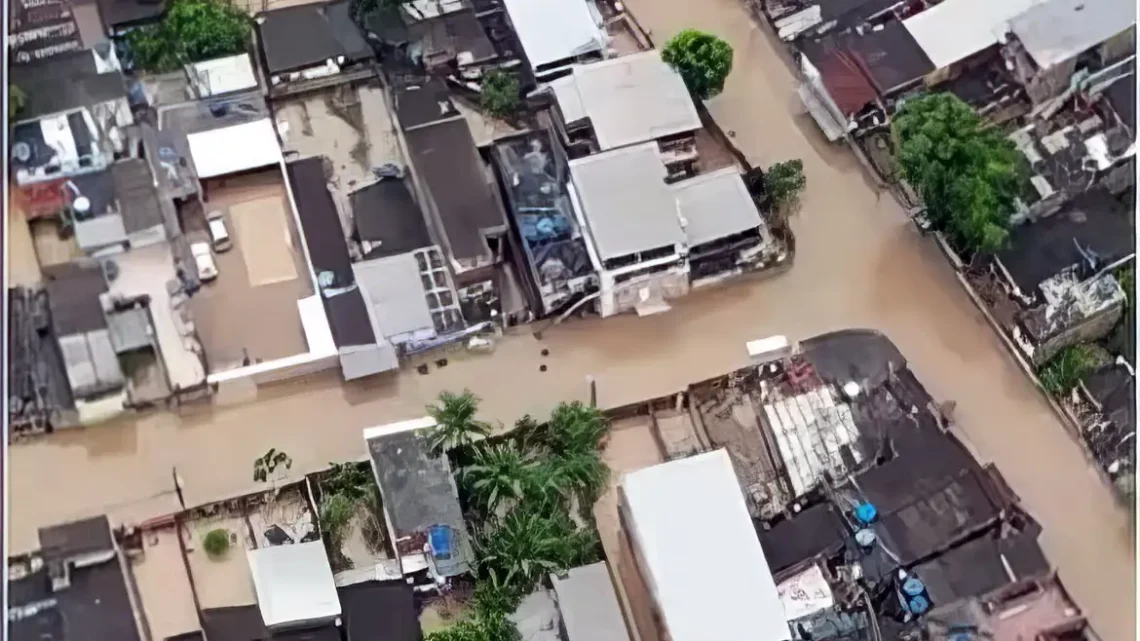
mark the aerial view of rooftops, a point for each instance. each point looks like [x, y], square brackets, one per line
[570, 320]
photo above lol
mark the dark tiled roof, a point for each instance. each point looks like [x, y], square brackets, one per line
[349, 320]
[451, 34]
[421, 103]
[817, 530]
[1095, 220]
[137, 195]
[320, 223]
[126, 13]
[1122, 96]
[187, 636]
[76, 538]
[972, 569]
[305, 36]
[237, 623]
[65, 82]
[449, 166]
[73, 297]
[1115, 390]
[385, 213]
[376, 611]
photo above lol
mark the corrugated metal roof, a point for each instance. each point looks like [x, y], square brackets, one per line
[553, 30]
[957, 29]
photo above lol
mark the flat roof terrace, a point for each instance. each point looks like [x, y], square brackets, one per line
[250, 311]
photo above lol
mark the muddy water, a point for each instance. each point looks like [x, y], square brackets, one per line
[860, 264]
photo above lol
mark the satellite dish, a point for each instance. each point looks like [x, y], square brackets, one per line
[82, 205]
[21, 151]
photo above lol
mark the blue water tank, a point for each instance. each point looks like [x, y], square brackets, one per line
[913, 587]
[918, 605]
[866, 513]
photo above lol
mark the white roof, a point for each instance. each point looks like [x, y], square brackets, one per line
[628, 100]
[715, 205]
[956, 29]
[394, 294]
[589, 605]
[625, 200]
[222, 75]
[1057, 30]
[700, 553]
[294, 584]
[805, 593]
[220, 152]
[553, 30]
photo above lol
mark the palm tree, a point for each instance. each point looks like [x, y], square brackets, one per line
[575, 428]
[582, 473]
[456, 425]
[496, 473]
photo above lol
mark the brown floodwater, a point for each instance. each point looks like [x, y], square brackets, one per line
[860, 264]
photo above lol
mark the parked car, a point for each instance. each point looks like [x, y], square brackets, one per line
[219, 235]
[204, 259]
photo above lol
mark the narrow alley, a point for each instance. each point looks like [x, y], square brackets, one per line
[860, 264]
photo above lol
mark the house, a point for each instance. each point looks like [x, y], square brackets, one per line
[73, 588]
[557, 34]
[39, 30]
[310, 41]
[440, 35]
[454, 185]
[421, 502]
[1058, 273]
[71, 123]
[627, 101]
[589, 605]
[39, 392]
[74, 291]
[1036, 607]
[851, 80]
[1110, 392]
[668, 511]
[1049, 42]
[953, 32]
[534, 176]
[294, 586]
[637, 242]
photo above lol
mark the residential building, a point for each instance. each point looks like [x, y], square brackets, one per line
[294, 586]
[668, 511]
[1110, 426]
[71, 123]
[1037, 608]
[1057, 272]
[439, 35]
[39, 391]
[421, 502]
[309, 42]
[1051, 41]
[627, 101]
[39, 30]
[557, 34]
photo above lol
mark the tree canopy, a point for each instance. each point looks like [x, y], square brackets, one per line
[703, 60]
[968, 174]
[192, 31]
[499, 94]
[456, 425]
[784, 182]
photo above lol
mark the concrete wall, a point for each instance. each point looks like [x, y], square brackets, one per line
[618, 298]
[1093, 328]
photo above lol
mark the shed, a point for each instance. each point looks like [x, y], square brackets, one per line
[294, 585]
[229, 150]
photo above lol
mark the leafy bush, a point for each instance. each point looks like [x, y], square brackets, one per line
[336, 513]
[192, 31]
[784, 182]
[217, 542]
[499, 94]
[530, 542]
[483, 627]
[703, 60]
[1067, 369]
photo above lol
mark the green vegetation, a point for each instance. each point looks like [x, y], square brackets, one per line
[520, 490]
[703, 60]
[499, 94]
[783, 183]
[967, 173]
[217, 543]
[16, 101]
[1067, 369]
[192, 31]
[456, 425]
[347, 490]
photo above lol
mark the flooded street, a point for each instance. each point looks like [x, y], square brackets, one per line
[860, 264]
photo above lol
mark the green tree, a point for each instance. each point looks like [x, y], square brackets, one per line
[499, 94]
[456, 425]
[517, 550]
[784, 182]
[192, 31]
[498, 472]
[16, 101]
[1067, 369]
[967, 173]
[217, 543]
[703, 60]
[583, 473]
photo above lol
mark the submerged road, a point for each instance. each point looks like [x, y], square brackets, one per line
[860, 264]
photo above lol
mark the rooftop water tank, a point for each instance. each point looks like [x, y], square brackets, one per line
[865, 538]
[866, 513]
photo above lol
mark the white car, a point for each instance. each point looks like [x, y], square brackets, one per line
[204, 259]
[219, 235]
